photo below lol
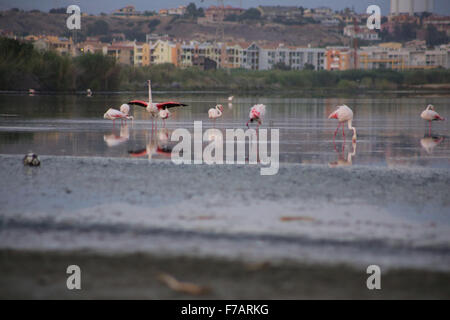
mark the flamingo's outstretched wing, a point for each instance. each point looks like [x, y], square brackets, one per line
[138, 103]
[165, 151]
[138, 153]
[170, 104]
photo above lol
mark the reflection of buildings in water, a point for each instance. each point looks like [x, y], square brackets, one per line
[342, 161]
[430, 142]
[113, 140]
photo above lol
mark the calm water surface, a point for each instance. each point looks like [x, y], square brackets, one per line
[390, 130]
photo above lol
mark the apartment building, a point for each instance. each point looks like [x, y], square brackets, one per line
[123, 52]
[339, 58]
[382, 57]
[218, 13]
[295, 58]
[194, 51]
[141, 54]
[164, 52]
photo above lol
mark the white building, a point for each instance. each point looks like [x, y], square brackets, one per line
[411, 7]
[363, 33]
[296, 58]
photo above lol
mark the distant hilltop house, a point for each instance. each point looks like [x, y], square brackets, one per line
[362, 33]
[181, 10]
[163, 12]
[153, 37]
[126, 11]
[217, 13]
[280, 12]
[441, 23]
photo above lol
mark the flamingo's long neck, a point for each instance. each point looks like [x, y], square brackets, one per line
[352, 128]
[150, 100]
[218, 110]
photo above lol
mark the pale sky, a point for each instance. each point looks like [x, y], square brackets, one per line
[107, 6]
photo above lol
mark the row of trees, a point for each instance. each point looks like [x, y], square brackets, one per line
[22, 67]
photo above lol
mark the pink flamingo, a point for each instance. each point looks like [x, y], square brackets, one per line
[257, 113]
[343, 114]
[430, 115]
[216, 112]
[155, 108]
[122, 114]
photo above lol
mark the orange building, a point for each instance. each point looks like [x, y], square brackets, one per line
[339, 59]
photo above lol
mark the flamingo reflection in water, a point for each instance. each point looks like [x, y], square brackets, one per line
[343, 161]
[158, 144]
[113, 140]
[429, 142]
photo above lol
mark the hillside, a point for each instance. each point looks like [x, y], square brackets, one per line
[24, 23]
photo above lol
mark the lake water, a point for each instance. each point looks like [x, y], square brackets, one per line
[390, 130]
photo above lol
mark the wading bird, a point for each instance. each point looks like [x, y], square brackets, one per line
[230, 98]
[257, 113]
[430, 115]
[89, 92]
[216, 112]
[343, 114]
[122, 114]
[155, 108]
[164, 114]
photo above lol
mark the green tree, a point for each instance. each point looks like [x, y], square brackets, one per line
[281, 66]
[250, 14]
[434, 37]
[192, 11]
[99, 27]
[153, 24]
[308, 66]
[97, 72]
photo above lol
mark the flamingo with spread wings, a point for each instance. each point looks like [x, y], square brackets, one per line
[155, 108]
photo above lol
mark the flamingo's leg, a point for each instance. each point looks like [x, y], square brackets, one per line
[335, 132]
[343, 130]
[429, 128]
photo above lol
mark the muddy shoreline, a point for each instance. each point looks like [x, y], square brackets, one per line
[42, 275]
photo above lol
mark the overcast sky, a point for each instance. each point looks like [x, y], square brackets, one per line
[107, 6]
